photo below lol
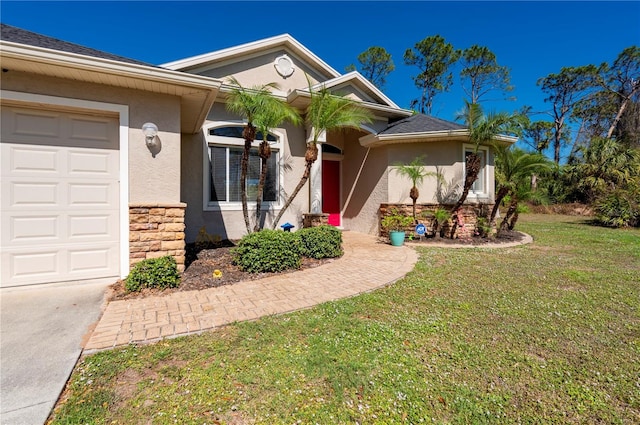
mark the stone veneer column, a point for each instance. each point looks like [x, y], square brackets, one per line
[156, 230]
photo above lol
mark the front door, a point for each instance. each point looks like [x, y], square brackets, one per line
[331, 191]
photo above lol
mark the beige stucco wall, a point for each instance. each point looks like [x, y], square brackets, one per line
[445, 158]
[151, 180]
[229, 224]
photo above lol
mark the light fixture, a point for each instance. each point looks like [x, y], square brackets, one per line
[150, 131]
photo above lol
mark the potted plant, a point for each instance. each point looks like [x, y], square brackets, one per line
[396, 223]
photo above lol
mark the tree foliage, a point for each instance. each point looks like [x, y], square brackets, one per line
[433, 57]
[564, 90]
[481, 73]
[375, 64]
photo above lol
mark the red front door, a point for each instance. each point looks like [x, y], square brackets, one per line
[331, 191]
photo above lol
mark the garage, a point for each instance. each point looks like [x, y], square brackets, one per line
[59, 195]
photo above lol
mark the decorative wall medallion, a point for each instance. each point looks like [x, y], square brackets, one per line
[284, 65]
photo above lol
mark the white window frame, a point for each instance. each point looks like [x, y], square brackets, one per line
[475, 193]
[223, 141]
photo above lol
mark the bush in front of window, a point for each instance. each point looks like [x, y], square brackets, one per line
[153, 273]
[268, 251]
[320, 242]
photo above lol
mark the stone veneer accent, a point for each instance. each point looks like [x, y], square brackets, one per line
[315, 220]
[470, 213]
[156, 230]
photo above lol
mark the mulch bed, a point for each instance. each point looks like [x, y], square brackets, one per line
[201, 264]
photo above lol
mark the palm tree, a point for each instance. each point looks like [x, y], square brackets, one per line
[483, 129]
[247, 103]
[415, 172]
[607, 165]
[513, 167]
[274, 112]
[325, 112]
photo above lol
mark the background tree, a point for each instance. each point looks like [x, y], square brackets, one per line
[414, 171]
[325, 112]
[538, 135]
[481, 73]
[247, 103]
[272, 113]
[564, 90]
[375, 64]
[434, 57]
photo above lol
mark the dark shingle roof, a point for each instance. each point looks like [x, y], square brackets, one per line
[18, 35]
[420, 123]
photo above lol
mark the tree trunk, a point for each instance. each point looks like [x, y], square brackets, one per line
[249, 134]
[265, 154]
[502, 192]
[471, 175]
[414, 194]
[504, 225]
[514, 220]
[310, 156]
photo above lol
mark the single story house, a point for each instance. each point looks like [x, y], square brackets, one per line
[107, 160]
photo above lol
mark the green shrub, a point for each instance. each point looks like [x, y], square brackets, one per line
[619, 209]
[267, 251]
[153, 273]
[320, 242]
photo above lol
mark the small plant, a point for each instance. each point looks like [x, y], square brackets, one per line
[268, 251]
[320, 242]
[159, 273]
[396, 222]
[440, 216]
[483, 227]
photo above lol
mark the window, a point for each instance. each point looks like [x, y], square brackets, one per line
[223, 168]
[479, 188]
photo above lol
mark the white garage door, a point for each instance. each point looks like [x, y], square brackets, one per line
[59, 196]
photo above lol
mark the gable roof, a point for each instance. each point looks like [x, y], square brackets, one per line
[22, 36]
[242, 51]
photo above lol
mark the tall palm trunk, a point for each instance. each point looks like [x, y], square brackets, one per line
[249, 134]
[513, 207]
[414, 194]
[310, 156]
[265, 154]
[502, 192]
[473, 164]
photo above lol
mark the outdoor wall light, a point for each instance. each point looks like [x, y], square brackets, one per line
[150, 131]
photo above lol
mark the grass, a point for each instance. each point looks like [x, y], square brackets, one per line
[543, 333]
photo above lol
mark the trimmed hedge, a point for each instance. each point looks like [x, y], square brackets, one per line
[320, 242]
[276, 251]
[268, 251]
[153, 273]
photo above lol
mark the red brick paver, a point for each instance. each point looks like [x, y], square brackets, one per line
[366, 265]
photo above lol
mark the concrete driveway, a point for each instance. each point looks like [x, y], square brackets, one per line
[41, 335]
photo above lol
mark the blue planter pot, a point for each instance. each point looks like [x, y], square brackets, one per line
[396, 238]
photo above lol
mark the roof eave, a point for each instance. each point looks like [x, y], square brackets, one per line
[197, 93]
[300, 99]
[462, 135]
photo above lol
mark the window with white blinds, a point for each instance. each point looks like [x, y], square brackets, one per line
[222, 182]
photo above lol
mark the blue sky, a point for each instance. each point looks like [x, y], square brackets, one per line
[534, 39]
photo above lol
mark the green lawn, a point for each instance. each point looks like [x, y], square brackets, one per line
[543, 333]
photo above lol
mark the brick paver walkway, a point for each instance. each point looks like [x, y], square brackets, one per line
[366, 265]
